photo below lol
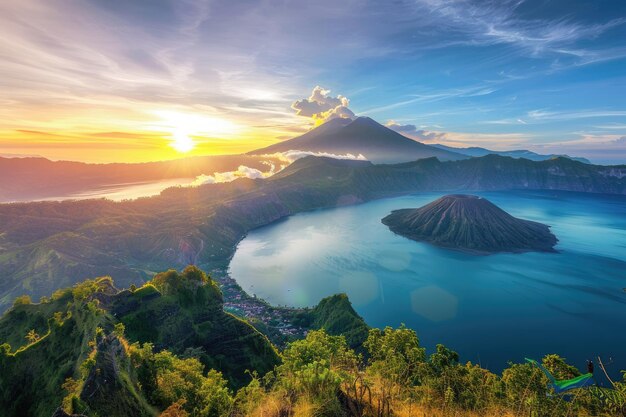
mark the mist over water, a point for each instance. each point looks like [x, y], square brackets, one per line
[115, 192]
[491, 309]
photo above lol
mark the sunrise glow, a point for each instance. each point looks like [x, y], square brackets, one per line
[183, 127]
[101, 81]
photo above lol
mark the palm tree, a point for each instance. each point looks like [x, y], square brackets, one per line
[32, 336]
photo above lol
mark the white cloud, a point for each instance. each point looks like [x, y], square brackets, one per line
[293, 155]
[497, 22]
[413, 132]
[542, 114]
[253, 173]
[322, 106]
[242, 172]
[435, 96]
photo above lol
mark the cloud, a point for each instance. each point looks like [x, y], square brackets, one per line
[321, 106]
[253, 173]
[293, 155]
[241, 172]
[542, 114]
[439, 95]
[603, 148]
[460, 139]
[499, 22]
[589, 140]
[67, 72]
[414, 133]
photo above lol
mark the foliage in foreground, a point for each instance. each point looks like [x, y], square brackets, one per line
[322, 376]
[152, 352]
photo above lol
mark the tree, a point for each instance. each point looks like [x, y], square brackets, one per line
[314, 368]
[32, 336]
[526, 389]
[316, 364]
[395, 353]
[250, 396]
[182, 379]
[119, 329]
[5, 349]
[22, 300]
[559, 368]
[175, 410]
[395, 362]
[216, 397]
[443, 358]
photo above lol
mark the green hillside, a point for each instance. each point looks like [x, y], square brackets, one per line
[92, 326]
[168, 349]
[336, 316]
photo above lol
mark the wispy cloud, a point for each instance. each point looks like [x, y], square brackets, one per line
[499, 22]
[512, 121]
[434, 96]
[603, 148]
[612, 126]
[542, 114]
[496, 141]
[416, 133]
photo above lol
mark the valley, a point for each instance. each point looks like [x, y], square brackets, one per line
[48, 245]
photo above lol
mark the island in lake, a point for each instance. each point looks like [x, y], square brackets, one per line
[472, 224]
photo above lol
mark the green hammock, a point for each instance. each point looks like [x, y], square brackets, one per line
[559, 387]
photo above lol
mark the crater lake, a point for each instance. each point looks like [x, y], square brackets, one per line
[491, 309]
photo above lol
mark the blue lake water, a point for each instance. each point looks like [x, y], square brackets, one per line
[491, 309]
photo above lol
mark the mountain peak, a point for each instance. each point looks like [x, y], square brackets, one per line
[363, 136]
[365, 119]
[337, 121]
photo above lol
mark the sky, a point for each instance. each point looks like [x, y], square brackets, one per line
[141, 80]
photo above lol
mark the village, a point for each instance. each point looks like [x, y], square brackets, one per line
[276, 322]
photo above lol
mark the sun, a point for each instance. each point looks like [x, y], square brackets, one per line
[182, 142]
[183, 127]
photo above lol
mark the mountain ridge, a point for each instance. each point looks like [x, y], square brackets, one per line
[71, 240]
[476, 151]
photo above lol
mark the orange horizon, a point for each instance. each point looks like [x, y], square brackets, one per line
[124, 147]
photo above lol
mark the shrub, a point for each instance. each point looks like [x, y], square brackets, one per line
[22, 300]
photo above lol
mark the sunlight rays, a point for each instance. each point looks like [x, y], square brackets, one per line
[183, 126]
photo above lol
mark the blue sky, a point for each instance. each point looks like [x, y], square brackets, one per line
[549, 76]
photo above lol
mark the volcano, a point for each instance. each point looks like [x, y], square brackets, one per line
[471, 224]
[361, 136]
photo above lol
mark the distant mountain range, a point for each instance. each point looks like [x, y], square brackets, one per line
[37, 178]
[522, 153]
[361, 136]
